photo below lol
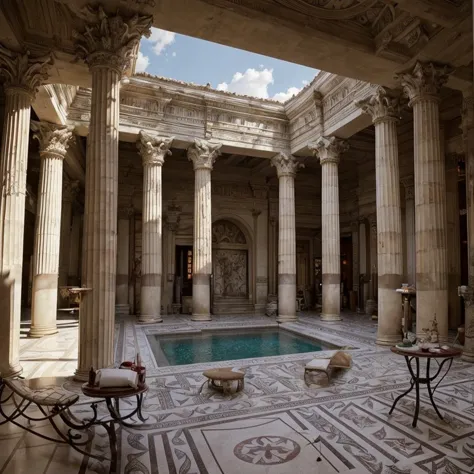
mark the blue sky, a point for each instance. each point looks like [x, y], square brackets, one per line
[193, 60]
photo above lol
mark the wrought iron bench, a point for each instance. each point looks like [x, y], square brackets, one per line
[53, 402]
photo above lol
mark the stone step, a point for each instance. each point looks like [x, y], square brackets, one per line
[233, 306]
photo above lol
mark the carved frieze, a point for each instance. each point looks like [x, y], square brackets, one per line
[226, 232]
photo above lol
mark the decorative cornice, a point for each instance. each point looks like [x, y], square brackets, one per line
[22, 72]
[153, 149]
[109, 41]
[203, 153]
[329, 149]
[381, 105]
[424, 82]
[53, 139]
[286, 164]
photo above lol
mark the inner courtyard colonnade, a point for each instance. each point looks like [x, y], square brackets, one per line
[157, 197]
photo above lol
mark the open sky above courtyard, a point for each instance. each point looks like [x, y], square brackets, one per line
[189, 59]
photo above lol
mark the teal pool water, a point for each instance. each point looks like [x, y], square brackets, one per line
[227, 345]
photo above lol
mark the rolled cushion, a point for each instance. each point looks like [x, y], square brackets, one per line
[225, 373]
[341, 360]
[318, 364]
[118, 378]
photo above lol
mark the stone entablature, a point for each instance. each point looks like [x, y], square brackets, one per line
[188, 111]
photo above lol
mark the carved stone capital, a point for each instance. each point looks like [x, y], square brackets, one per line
[23, 73]
[203, 153]
[53, 139]
[467, 114]
[153, 149]
[109, 40]
[467, 293]
[424, 82]
[286, 165]
[329, 149]
[381, 106]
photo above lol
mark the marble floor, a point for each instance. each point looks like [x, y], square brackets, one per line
[276, 424]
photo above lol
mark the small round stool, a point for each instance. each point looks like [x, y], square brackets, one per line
[221, 379]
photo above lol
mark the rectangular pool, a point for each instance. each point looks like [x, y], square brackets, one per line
[213, 346]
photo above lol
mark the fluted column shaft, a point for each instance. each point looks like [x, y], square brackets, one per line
[123, 247]
[152, 261]
[430, 220]
[203, 155]
[97, 318]
[389, 227]
[53, 144]
[13, 162]
[408, 183]
[75, 250]
[331, 241]
[286, 249]
[66, 219]
[202, 257]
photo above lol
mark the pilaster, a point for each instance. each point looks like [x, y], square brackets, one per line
[328, 150]
[22, 74]
[422, 86]
[106, 45]
[203, 154]
[382, 106]
[153, 150]
[173, 217]
[53, 143]
[123, 259]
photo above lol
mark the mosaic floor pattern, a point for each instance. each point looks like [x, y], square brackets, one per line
[276, 424]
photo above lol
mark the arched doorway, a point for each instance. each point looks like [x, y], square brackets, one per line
[230, 260]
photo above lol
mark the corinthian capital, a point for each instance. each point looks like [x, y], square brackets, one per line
[381, 105]
[329, 149]
[153, 149]
[203, 153]
[424, 82]
[109, 40]
[53, 139]
[22, 72]
[286, 165]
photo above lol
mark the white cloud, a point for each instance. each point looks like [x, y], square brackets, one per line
[305, 82]
[284, 96]
[142, 62]
[173, 54]
[251, 82]
[160, 39]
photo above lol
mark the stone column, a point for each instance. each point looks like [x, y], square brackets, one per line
[384, 112]
[272, 252]
[329, 149]
[69, 189]
[172, 224]
[123, 247]
[74, 250]
[22, 76]
[54, 142]
[467, 292]
[355, 259]
[422, 87]
[454, 241]
[203, 154]
[153, 151]
[106, 45]
[409, 185]
[371, 303]
[286, 167]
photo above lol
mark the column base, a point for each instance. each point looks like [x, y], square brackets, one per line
[201, 317]
[330, 317]
[388, 340]
[282, 318]
[149, 319]
[41, 332]
[467, 357]
[81, 375]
